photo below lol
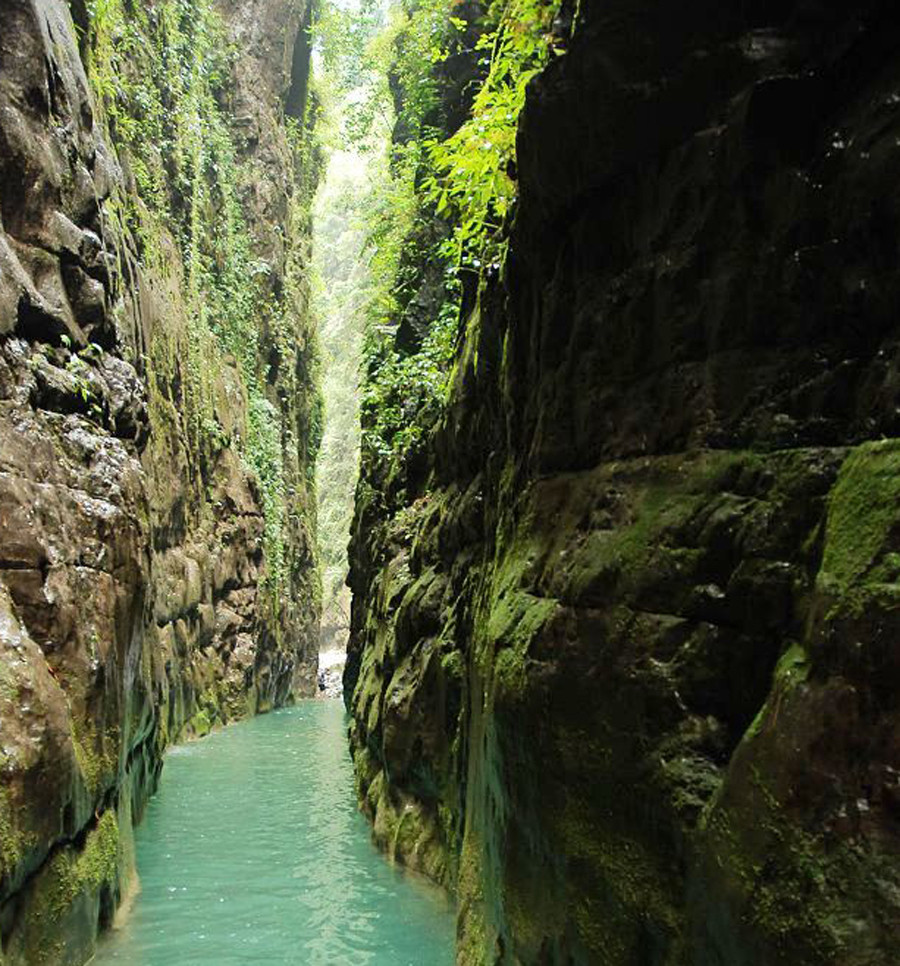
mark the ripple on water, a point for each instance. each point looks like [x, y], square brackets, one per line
[254, 852]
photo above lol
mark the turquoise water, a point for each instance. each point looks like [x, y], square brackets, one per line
[254, 852]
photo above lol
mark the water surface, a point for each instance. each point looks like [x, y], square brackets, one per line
[253, 852]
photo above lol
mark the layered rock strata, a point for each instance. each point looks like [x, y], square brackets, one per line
[138, 595]
[623, 666]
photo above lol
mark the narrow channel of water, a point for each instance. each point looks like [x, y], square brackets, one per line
[253, 852]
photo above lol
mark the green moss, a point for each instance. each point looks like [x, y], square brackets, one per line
[647, 540]
[418, 843]
[12, 840]
[792, 669]
[616, 882]
[779, 876]
[70, 875]
[789, 885]
[453, 665]
[510, 675]
[517, 617]
[514, 619]
[793, 665]
[97, 864]
[200, 725]
[91, 763]
[408, 831]
[472, 948]
[859, 561]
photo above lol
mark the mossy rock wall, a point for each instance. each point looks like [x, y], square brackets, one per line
[623, 630]
[158, 422]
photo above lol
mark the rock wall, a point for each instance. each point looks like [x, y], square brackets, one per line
[151, 583]
[623, 669]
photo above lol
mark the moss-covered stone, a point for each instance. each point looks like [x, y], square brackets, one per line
[13, 840]
[62, 905]
[861, 558]
[199, 726]
[663, 502]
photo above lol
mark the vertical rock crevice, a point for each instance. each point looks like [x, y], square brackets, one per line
[296, 101]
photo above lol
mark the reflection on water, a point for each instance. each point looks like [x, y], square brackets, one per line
[253, 852]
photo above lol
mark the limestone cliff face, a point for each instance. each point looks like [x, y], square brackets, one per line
[623, 662]
[151, 583]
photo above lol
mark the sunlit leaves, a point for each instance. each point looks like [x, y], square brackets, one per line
[471, 179]
[443, 196]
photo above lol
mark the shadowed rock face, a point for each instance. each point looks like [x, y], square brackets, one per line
[623, 665]
[131, 557]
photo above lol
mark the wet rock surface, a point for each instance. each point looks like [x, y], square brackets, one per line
[131, 558]
[621, 668]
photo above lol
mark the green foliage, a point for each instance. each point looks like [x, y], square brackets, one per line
[405, 392]
[419, 36]
[442, 195]
[162, 73]
[399, 386]
[471, 179]
[347, 74]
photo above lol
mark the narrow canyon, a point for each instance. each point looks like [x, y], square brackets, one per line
[537, 362]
